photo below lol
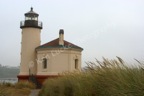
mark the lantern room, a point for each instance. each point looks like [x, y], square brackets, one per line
[31, 20]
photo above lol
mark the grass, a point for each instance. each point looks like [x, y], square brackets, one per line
[100, 78]
[18, 89]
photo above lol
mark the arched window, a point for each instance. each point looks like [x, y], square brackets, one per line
[44, 63]
[76, 63]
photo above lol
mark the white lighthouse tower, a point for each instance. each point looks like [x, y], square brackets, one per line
[31, 29]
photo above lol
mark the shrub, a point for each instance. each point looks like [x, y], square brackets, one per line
[6, 84]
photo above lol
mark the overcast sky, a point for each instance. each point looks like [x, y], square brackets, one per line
[107, 28]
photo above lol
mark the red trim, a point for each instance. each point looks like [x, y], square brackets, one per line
[40, 78]
[23, 77]
[46, 76]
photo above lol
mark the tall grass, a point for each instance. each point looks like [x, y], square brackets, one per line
[101, 78]
[18, 89]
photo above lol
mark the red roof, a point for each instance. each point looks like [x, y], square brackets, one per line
[55, 44]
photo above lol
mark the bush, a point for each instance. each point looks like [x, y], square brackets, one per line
[25, 84]
[106, 78]
[6, 84]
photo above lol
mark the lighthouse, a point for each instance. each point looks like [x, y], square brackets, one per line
[31, 30]
[49, 60]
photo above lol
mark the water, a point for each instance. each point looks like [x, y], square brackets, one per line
[9, 80]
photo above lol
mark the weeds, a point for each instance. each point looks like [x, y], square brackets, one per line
[18, 89]
[106, 78]
[27, 84]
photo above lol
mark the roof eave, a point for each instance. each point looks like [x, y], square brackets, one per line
[54, 48]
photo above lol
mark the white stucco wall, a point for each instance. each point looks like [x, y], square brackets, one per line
[59, 61]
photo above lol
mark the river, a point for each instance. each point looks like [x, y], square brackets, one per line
[9, 80]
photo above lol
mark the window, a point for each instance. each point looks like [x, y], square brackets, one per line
[27, 18]
[34, 18]
[44, 63]
[76, 63]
